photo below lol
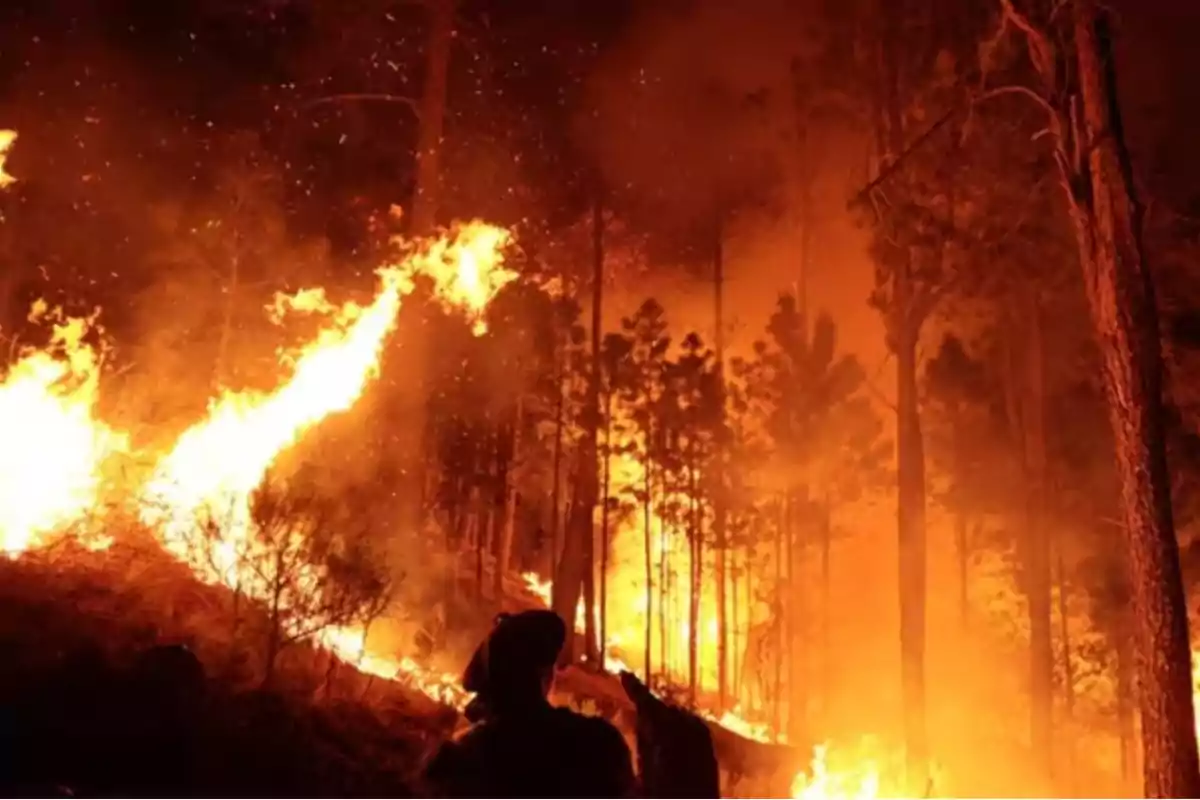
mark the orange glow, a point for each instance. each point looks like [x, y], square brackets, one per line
[626, 624]
[52, 481]
[7, 138]
[54, 448]
[214, 468]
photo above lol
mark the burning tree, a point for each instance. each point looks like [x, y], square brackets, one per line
[827, 441]
[640, 387]
[309, 568]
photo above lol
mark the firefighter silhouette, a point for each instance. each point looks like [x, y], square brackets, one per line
[519, 745]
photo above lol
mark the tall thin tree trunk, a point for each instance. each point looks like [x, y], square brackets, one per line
[826, 610]
[556, 526]
[433, 115]
[1121, 296]
[605, 532]
[664, 605]
[595, 379]
[695, 567]
[477, 527]
[911, 524]
[648, 541]
[962, 548]
[736, 641]
[1067, 731]
[795, 615]
[1038, 579]
[1126, 699]
[720, 500]
[508, 530]
[904, 329]
[781, 531]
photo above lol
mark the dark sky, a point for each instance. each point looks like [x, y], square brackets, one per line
[214, 65]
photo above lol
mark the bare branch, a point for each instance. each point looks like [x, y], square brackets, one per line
[1027, 92]
[365, 97]
[1041, 51]
[896, 163]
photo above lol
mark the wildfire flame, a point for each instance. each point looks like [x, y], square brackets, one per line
[218, 463]
[50, 470]
[626, 622]
[819, 782]
[54, 447]
[210, 475]
[7, 138]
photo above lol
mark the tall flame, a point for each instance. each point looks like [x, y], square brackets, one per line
[214, 468]
[54, 447]
[217, 464]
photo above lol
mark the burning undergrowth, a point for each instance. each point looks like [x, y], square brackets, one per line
[76, 625]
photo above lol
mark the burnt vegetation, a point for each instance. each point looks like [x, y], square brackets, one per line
[849, 381]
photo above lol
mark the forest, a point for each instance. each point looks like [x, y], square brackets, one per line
[829, 366]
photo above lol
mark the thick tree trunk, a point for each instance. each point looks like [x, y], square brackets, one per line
[572, 568]
[433, 115]
[1038, 580]
[1121, 296]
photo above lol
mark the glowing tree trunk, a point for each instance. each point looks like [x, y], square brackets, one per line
[648, 543]
[556, 522]
[605, 521]
[1067, 730]
[1098, 183]
[1121, 296]
[720, 500]
[1037, 540]
[910, 457]
[904, 328]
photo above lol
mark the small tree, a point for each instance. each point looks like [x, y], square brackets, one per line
[296, 565]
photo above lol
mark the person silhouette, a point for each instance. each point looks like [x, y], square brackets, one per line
[519, 745]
